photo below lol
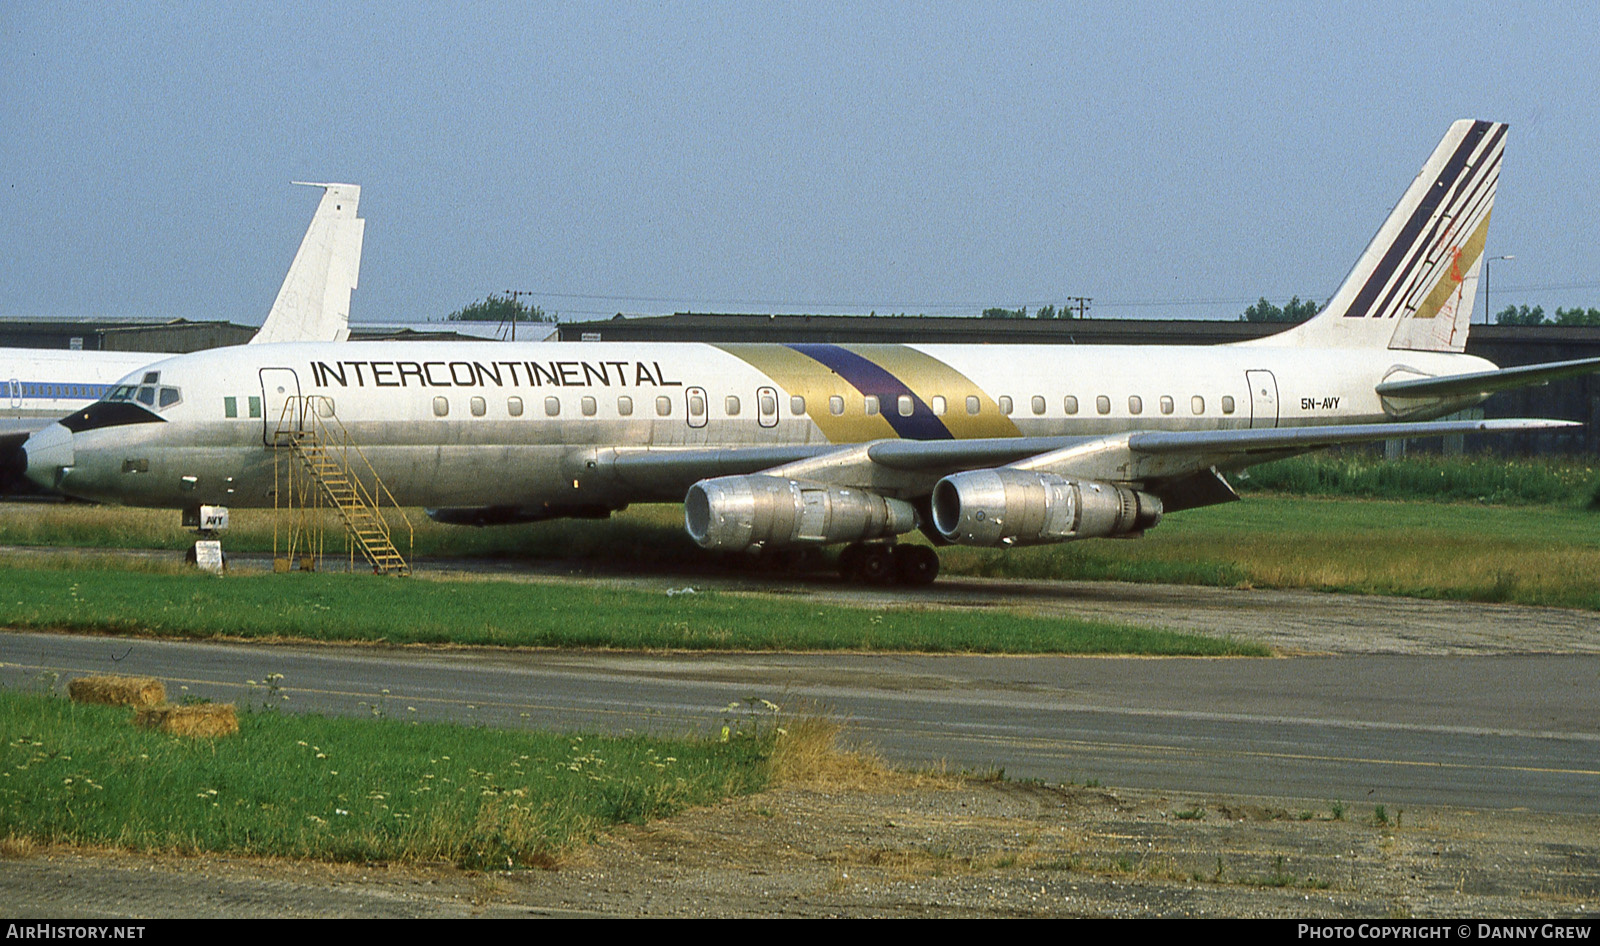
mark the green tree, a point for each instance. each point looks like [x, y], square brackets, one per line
[500, 309]
[1577, 316]
[1048, 312]
[997, 313]
[1292, 311]
[1522, 315]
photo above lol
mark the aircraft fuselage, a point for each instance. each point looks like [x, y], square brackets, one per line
[519, 424]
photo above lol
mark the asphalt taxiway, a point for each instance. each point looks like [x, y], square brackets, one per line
[1499, 731]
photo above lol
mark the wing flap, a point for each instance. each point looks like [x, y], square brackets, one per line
[1277, 439]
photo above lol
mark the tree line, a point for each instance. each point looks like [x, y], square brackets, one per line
[1523, 315]
[498, 308]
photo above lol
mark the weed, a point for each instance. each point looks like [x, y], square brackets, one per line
[1336, 810]
[270, 690]
[1191, 814]
[348, 789]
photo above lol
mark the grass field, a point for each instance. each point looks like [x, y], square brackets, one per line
[347, 790]
[1519, 531]
[1552, 481]
[1543, 555]
[340, 607]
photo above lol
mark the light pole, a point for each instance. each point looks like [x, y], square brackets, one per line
[1486, 263]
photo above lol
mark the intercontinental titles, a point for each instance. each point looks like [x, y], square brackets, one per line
[500, 374]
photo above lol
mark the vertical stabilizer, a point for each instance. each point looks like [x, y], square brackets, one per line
[1414, 286]
[314, 303]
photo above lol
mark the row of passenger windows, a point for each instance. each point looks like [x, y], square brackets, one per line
[904, 405]
[767, 405]
[42, 389]
[588, 406]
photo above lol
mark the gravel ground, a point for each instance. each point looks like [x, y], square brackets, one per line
[914, 847]
[898, 845]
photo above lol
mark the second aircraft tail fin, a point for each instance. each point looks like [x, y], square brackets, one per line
[314, 302]
[1413, 288]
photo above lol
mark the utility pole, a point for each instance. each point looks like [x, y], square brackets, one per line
[516, 294]
[1486, 263]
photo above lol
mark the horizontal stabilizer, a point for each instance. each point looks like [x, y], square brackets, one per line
[1483, 383]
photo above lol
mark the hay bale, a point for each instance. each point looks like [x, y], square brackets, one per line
[118, 691]
[198, 720]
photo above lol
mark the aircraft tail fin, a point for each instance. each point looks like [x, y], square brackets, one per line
[1413, 288]
[314, 302]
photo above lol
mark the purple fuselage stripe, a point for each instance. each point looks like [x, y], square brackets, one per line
[872, 379]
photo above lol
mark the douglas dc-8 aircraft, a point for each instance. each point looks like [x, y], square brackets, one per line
[779, 445]
[313, 305]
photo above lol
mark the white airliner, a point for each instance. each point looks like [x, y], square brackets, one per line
[780, 445]
[38, 386]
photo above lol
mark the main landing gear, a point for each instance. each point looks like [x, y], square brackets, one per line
[878, 563]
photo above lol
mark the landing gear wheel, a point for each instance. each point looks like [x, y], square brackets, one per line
[877, 565]
[783, 559]
[916, 565]
[850, 561]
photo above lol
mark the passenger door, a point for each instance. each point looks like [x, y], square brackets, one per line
[281, 407]
[1263, 398]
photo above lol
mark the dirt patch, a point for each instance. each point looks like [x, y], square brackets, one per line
[924, 846]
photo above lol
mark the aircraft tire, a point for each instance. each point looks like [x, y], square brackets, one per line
[850, 561]
[916, 565]
[877, 565]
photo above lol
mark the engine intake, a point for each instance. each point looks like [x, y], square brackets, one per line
[1021, 507]
[739, 512]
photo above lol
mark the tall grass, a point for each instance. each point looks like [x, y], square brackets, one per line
[643, 535]
[347, 790]
[1476, 479]
[1540, 555]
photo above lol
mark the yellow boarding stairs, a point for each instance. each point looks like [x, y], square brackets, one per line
[326, 468]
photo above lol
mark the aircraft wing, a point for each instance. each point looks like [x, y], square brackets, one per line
[1310, 438]
[909, 467]
[1483, 383]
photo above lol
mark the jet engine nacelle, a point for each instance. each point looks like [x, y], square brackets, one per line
[1021, 507]
[739, 512]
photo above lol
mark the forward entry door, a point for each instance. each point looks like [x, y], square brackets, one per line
[280, 401]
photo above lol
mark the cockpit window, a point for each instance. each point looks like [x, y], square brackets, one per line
[149, 395]
[127, 404]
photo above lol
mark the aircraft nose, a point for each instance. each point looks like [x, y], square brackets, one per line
[49, 455]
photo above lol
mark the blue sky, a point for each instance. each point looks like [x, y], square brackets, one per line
[1168, 160]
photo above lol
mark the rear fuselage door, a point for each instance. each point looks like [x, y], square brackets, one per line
[1263, 398]
[280, 399]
